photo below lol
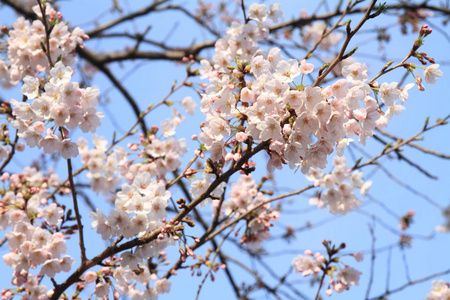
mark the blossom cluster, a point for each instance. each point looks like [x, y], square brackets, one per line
[340, 280]
[24, 195]
[126, 278]
[313, 34]
[62, 103]
[339, 184]
[26, 53]
[307, 265]
[139, 208]
[103, 170]
[33, 246]
[200, 186]
[246, 196]
[162, 157]
[262, 98]
[24, 207]
[107, 168]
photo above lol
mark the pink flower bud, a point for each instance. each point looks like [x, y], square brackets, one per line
[90, 277]
[190, 172]
[320, 259]
[241, 137]
[5, 176]
[20, 147]
[39, 127]
[358, 256]
[229, 157]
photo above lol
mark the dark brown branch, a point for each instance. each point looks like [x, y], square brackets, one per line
[217, 251]
[328, 32]
[136, 37]
[77, 212]
[48, 30]
[21, 9]
[142, 12]
[11, 153]
[132, 54]
[91, 57]
[257, 277]
[190, 15]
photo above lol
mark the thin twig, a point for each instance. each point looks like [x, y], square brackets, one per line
[399, 144]
[402, 287]
[174, 181]
[405, 264]
[212, 261]
[372, 258]
[77, 211]
[10, 154]
[349, 36]
[48, 30]
[243, 11]
[414, 145]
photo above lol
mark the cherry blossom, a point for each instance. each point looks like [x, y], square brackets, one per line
[304, 264]
[439, 290]
[432, 73]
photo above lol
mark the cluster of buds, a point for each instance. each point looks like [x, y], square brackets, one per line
[184, 253]
[208, 262]
[424, 32]
[258, 229]
[423, 58]
[123, 270]
[170, 229]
